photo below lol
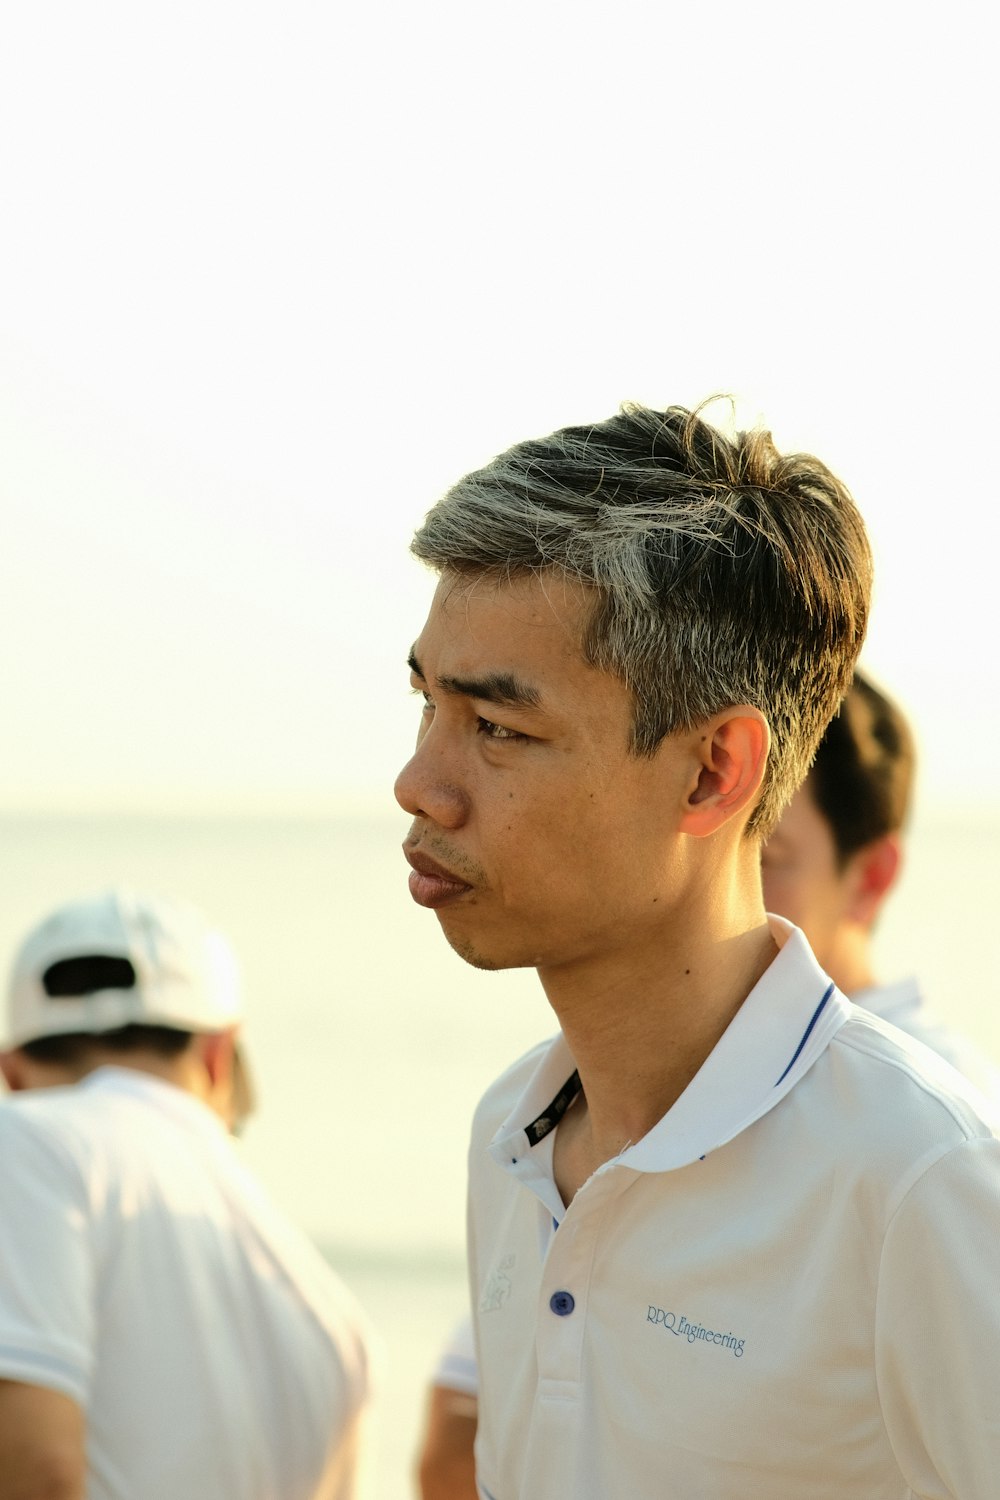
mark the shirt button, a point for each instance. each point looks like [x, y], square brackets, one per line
[562, 1303]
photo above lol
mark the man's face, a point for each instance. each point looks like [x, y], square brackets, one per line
[802, 878]
[538, 838]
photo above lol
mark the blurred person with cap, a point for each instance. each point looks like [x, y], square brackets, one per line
[165, 1332]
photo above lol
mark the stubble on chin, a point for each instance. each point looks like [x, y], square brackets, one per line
[470, 954]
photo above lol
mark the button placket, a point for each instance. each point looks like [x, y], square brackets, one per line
[559, 1335]
[565, 1289]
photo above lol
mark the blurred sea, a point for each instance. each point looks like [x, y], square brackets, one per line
[371, 1042]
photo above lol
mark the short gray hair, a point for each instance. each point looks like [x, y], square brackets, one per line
[725, 572]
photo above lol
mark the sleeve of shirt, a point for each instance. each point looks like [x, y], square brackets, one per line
[456, 1368]
[938, 1326]
[46, 1302]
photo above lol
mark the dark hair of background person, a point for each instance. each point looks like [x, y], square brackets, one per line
[862, 777]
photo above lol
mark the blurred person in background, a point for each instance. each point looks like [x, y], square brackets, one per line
[837, 854]
[446, 1463]
[165, 1332]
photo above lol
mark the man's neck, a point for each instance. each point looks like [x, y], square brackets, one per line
[849, 960]
[640, 1028]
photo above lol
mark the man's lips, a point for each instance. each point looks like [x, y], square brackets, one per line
[430, 883]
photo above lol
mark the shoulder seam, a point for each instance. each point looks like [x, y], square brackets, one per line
[956, 1108]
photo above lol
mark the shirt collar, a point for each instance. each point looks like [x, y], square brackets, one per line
[170, 1098]
[783, 1025]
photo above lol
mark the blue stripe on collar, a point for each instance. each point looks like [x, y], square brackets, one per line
[805, 1035]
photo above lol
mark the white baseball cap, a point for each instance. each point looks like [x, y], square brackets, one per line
[120, 959]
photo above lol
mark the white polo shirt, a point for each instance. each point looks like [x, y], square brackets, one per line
[903, 1004]
[788, 1290]
[145, 1274]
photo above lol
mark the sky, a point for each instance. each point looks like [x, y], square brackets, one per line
[274, 276]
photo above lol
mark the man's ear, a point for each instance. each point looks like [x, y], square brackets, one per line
[872, 871]
[12, 1068]
[731, 753]
[215, 1049]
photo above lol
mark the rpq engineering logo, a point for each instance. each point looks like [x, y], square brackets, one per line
[682, 1329]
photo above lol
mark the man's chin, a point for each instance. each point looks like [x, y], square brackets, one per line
[478, 957]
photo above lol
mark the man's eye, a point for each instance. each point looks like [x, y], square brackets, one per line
[498, 732]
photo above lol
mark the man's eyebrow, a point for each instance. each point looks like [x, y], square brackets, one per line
[502, 688]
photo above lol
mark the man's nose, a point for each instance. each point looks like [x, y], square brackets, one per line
[428, 786]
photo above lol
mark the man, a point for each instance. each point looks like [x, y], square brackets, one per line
[828, 867]
[164, 1332]
[728, 1236]
[836, 856]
